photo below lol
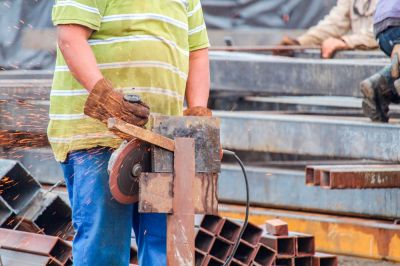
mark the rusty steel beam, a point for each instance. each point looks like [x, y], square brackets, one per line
[47, 246]
[375, 239]
[245, 252]
[322, 259]
[17, 186]
[305, 244]
[155, 194]
[180, 224]
[252, 234]
[221, 249]
[212, 223]
[263, 255]
[277, 227]
[230, 231]
[204, 240]
[285, 246]
[380, 176]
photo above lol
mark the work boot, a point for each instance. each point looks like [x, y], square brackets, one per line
[379, 92]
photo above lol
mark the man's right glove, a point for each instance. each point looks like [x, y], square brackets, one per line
[104, 102]
[286, 41]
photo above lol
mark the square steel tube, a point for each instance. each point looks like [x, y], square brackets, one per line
[323, 259]
[213, 261]
[303, 261]
[221, 249]
[235, 262]
[18, 186]
[199, 257]
[305, 244]
[204, 240]
[252, 234]
[212, 223]
[244, 253]
[285, 246]
[264, 255]
[284, 262]
[230, 230]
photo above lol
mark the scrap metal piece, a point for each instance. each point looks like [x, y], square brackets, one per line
[17, 187]
[305, 244]
[204, 240]
[47, 246]
[180, 224]
[323, 259]
[264, 255]
[285, 246]
[125, 169]
[205, 131]
[277, 227]
[156, 193]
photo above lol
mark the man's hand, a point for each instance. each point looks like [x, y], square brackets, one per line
[331, 45]
[286, 41]
[104, 102]
[395, 61]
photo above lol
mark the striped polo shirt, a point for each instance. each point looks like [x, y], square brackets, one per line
[140, 44]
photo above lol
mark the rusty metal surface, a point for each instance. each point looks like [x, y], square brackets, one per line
[383, 176]
[52, 247]
[323, 259]
[199, 257]
[156, 193]
[180, 224]
[284, 262]
[252, 234]
[304, 261]
[212, 223]
[221, 249]
[230, 231]
[142, 134]
[305, 244]
[276, 227]
[205, 131]
[17, 186]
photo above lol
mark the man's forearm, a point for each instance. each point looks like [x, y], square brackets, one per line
[198, 83]
[72, 41]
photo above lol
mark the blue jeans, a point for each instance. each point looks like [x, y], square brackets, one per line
[103, 226]
[388, 39]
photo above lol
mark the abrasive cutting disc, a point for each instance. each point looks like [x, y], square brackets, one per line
[125, 167]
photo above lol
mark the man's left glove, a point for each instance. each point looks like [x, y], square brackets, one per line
[104, 102]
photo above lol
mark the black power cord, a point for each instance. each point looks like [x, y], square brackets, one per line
[246, 219]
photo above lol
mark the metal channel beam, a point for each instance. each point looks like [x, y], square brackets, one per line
[366, 238]
[270, 74]
[310, 135]
[269, 187]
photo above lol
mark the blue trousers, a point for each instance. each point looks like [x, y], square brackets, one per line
[388, 39]
[103, 226]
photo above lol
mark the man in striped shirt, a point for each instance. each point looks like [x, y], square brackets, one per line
[105, 49]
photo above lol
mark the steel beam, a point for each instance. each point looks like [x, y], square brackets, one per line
[296, 76]
[26, 74]
[310, 135]
[25, 89]
[269, 187]
[375, 239]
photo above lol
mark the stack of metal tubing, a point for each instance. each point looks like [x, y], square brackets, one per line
[272, 245]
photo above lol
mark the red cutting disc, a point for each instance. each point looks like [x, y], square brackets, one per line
[124, 183]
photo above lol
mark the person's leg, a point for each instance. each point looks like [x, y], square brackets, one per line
[102, 225]
[151, 237]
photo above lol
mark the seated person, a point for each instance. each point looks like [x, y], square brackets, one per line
[348, 26]
[381, 89]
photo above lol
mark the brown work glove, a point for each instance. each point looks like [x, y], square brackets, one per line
[286, 41]
[104, 102]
